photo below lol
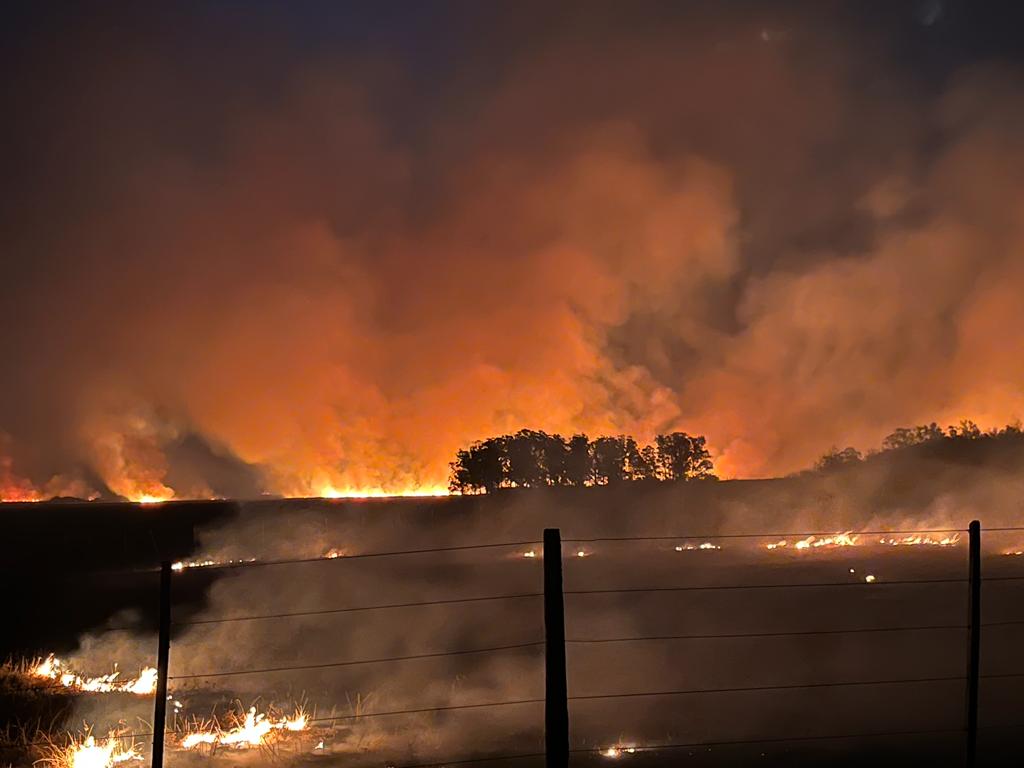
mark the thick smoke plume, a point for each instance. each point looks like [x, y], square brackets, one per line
[288, 266]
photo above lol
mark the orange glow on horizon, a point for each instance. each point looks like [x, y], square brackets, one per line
[331, 492]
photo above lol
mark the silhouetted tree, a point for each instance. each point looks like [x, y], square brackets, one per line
[481, 467]
[836, 458]
[904, 437]
[967, 430]
[533, 459]
[579, 462]
[647, 466]
[610, 460]
[683, 457]
[555, 457]
[525, 453]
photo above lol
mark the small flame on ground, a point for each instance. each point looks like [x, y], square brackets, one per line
[181, 565]
[530, 554]
[252, 730]
[917, 540]
[707, 545]
[84, 751]
[844, 539]
[616, 752]
[53, 668]
[333, 553]
[870, 578]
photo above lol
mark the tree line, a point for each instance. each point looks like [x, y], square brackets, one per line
[534, 459]
[905, 437]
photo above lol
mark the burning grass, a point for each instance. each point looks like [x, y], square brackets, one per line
[242, 728]
[54, 669]
[84, 750]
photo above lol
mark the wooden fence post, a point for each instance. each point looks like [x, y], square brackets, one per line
[162, 661]
[974, 640]
[556, 692]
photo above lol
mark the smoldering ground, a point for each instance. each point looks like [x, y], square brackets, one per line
[296, 529]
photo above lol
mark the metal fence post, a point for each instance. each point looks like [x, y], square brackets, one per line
[974, 640]
[162, 660]
[556, 692]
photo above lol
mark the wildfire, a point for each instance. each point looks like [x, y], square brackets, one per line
[616, 752]
[329, 491]
[333, 553]
[251, 730]
[152, 499]
[52, 668]
[916, 540]
[691, 547]
[84, 751]
[845, 539]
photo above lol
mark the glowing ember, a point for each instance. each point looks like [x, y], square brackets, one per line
[869, 578]
[1014, 552]
[334, 553]
[531, 554]
[616, 752]
[251, 730]
[183, 564]
[84, 751]
[691, 547]
[52, 668]
[582, 553]
[916, 540]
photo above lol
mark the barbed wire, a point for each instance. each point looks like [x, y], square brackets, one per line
[757, 688]
[359, 556]
[383, 606]
[735, 635]
[719, 587]
[789, 535]
[329, 665]
[423, 710]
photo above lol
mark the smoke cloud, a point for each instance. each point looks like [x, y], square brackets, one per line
[293, 266]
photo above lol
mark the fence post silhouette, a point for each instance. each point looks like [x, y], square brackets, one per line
[974, 640]
[556, 692]
[162, 661]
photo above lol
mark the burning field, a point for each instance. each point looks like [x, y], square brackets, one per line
[370, 633]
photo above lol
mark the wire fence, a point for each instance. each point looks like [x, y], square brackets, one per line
[576, 639]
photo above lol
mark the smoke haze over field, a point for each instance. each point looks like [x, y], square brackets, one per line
[297, 249]
[310, 528]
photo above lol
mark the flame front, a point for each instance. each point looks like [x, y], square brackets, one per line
[52, 668]
[919, 540]
[84, 751]
[251, 730]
